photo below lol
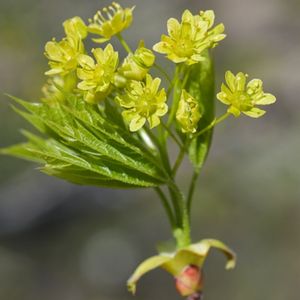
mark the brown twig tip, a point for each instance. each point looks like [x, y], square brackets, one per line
[196, 296]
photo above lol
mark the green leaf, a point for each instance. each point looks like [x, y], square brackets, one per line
[201, 86]
[83, 147]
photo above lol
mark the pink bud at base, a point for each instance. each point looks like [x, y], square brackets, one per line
[190, 281]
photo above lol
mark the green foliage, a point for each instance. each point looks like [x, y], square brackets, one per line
[83, 145]
[201, 86]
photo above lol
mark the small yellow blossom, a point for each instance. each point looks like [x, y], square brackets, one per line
[97, 77]
[117, 19]
[242, 97]
[143, 101]
[63, 55]
[75, 27]
[136, 65]
[56, 86]
[188, 39]
[182, 265]
[188, 113]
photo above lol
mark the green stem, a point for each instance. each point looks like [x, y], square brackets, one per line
[176, 96]
[177, 207]
[178, 160]
[166, 206]
[123, 43]
[183, 232]
[191, 190]
[162, 150]
[163, 72]
[172, 135]
[185, 79]
[169, 90]
[212, 124]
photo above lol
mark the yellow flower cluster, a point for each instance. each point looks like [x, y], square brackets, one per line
[242, 97]
[116, 20]
[63, 55]
[97, 78]
[188, 39]
[143, 101]
[100, 76]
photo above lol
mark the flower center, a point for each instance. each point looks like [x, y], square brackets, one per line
[184, 48]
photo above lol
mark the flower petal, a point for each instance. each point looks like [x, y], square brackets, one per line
[145, 267]
[86, 62]
[266, 99]
[195, 254]
[240, 81]
[137, 123]
[230, 80]
[173, 27]
[254, 112]
[153, 121]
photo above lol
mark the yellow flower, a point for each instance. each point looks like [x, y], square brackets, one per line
[75, 27]
[183, 265]
[137, 64]
[117, 19]
[97, 78]
[188, 113]
[143, 101]
[188, 39]
[242, 97]
[63, 55]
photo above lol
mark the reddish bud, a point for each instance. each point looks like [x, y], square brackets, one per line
[189, 281]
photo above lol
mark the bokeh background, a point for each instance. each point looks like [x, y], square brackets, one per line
[64, 242]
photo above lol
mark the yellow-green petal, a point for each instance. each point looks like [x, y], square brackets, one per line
[255, 112]
[145, 267]
[266, 99]
[86, 62]
[137, 123]
[75, 27]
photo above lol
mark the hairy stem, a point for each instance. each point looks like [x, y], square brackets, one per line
[178, 160]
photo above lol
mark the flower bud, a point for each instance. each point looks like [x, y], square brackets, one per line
[136, 65]
[189, 281]
[188, 113]
[75, 27]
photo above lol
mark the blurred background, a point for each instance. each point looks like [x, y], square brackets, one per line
[65, 242]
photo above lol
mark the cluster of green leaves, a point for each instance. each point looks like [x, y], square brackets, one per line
[84, 145]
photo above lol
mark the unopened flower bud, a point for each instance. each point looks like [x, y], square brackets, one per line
[136, 65]
[189, 281]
